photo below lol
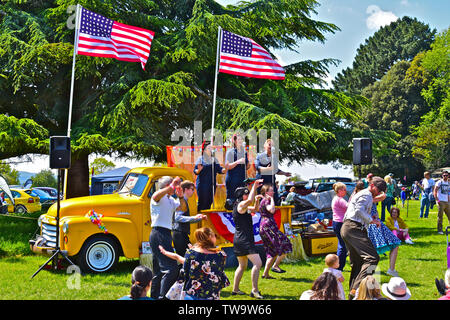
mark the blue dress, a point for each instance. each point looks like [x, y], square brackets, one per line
[382, 238]
[205, 181]
[236, 176]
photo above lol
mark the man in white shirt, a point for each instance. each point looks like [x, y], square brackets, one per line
[442, 196]
[162, 208]
[363, 255]
[427, 189]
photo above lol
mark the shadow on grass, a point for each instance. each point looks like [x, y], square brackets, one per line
[296, 279]
[227, 294]
[427, 259]
[423, 232]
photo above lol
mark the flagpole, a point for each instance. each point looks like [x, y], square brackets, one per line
[75, 48]
[219, 33]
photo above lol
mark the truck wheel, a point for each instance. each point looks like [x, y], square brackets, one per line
[20, 209]
[98, 254]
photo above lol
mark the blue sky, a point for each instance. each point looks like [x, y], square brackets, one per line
[358, 20]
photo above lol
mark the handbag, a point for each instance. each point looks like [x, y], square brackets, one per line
[176, 291]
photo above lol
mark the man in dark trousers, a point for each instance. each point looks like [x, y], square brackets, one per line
[182, 219]
[363, 255]
[162, 209]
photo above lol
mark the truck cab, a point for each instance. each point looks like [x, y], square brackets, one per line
[124, 215]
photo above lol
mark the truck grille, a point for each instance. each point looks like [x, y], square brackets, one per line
[49, 234]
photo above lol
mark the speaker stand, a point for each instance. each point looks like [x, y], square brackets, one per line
[57, 251]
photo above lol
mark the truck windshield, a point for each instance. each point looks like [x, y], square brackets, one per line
[134, 183]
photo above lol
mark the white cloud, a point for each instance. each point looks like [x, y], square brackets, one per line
[378, 18]
[404, 3]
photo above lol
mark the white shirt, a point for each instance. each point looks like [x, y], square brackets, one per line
[359, 208]
[162, 211]
[427, 183]
[443, 190]
[396, 224]
[306, 295]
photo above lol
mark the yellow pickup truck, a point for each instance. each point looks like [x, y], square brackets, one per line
[121, 225]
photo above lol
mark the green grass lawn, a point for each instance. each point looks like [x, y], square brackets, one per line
[418, 264]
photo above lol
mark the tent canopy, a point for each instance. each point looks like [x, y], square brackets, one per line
[112, 176]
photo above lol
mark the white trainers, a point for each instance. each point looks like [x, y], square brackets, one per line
[392, 273]
[409, 241]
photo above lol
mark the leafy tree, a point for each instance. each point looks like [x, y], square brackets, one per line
[120, 109]
[401, 40]
[100, 165]
[45, 178]
[432, 146]
[396, 105]
[11, 175]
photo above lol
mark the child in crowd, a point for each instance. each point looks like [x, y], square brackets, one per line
[141, 281]
[369, 289]
[398, 226]
[332, 262]
[403, 196]
[325, 287]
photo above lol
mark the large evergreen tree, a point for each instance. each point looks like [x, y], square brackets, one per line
[396, 105]
[401, 40]
[118, 108]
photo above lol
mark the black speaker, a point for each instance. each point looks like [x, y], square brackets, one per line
[362, 151]
[59, 152]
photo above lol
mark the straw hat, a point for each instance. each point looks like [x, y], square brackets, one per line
[396, 289]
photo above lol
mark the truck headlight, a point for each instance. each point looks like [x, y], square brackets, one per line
[65, 227]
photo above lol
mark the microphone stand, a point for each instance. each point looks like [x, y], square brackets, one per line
[57, 251]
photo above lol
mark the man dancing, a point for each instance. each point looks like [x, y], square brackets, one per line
[363, 255]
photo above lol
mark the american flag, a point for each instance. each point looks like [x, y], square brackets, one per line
[244, 57]
[102, 37]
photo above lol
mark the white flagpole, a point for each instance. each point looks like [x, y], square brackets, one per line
[75, 49]
[219, 33]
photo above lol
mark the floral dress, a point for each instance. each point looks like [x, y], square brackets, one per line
[275, 242]
[204, 274]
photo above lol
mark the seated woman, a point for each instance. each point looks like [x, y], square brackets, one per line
[398, 226]
[203, 266]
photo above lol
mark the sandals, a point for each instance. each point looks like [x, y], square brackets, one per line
[239, 292]
[267, 277]
[279, 270]
[256, 295]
